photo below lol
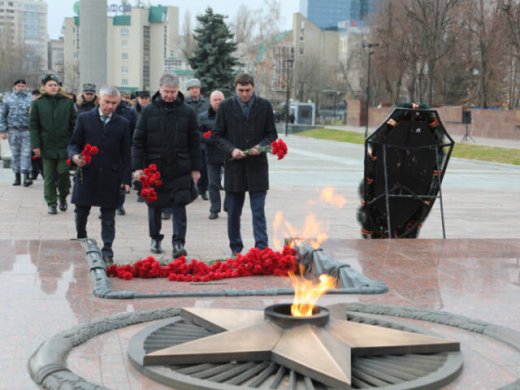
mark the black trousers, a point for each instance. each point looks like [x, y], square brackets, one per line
[108, 226]
[202, 184]
[179, 220]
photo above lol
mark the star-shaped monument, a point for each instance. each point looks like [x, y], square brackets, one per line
[320, 346]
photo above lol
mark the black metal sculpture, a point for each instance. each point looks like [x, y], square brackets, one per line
[405, 161]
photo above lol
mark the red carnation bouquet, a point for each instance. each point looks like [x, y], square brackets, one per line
[86, 156]
[256, 262]
[278, 148]
[150, 179]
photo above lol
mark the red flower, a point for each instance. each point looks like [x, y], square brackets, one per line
[68, 161]
[207, 134]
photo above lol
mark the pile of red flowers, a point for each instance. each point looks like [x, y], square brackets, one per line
[255, 262]
[150, 179]
[279, 148]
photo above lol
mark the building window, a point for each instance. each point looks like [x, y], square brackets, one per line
[301, 51]
[75, 55]
[124, 43]
[124, 56]
[124, 32]
[124, 82]
[124, 69]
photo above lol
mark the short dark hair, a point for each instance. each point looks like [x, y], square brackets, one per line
[36, 92]
[244, 78]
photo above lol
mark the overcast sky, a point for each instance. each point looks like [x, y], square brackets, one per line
[60, 9]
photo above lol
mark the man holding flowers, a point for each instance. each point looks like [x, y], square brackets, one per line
[106, 174]
[245, 121]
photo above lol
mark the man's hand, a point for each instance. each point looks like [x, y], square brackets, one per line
[37, 151]
[195, 176]
[138, 174]
[4, 135]
[237, 154]
[254, 151]
[126, 187]
[79, 162]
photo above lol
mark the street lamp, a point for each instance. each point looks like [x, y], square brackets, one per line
[289, 63]
[370, 52]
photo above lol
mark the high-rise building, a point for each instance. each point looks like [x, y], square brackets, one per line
[141, 44]
[24, 22]
[326, 14]
[56, 59]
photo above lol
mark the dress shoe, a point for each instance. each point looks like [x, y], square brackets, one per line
[121, 211]
[52, 210]
[17, 179]
[140, 199]
[27, 179]
[166, 215]
[155, 247]
[178, 251]
[204, 196]
[234, 253]
[213, 215]
[109, 260]
[63, 204]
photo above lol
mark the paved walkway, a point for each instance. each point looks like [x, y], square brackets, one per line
[46, 286]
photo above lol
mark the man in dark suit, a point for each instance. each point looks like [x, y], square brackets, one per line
[244, 122]
[101, 182]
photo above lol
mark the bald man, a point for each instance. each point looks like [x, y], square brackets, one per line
[214, 157]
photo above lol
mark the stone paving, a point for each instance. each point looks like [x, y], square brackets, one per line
[45, 278]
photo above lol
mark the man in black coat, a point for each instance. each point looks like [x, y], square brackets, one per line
[88, 99]
[200, 104]
[214, 157]
[166, 135]
[100, 182]
[245, 121]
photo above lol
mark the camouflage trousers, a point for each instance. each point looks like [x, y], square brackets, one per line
[20, 145]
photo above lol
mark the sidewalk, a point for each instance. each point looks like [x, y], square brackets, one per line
[501, 143]
[47, 287]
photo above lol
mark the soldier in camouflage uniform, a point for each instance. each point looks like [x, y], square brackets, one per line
[14, 123]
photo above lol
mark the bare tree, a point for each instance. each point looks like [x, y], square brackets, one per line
[187, 39]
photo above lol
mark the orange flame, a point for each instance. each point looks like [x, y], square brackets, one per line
[307, 292]
[327, 195]
[313, 230]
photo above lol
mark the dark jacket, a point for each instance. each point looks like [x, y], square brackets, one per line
[51, 123]
[125, 110]
[166, 135]
[207, 123]
[137, 109]
[83, 106]
[110, 168]
[234, 130]
[200, 106]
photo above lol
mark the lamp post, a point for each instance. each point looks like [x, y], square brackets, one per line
[370, 52]
[289, 63]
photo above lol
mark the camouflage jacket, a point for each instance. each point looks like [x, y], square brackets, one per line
[14, 112]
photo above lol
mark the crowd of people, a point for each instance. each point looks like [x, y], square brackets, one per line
[190, 144]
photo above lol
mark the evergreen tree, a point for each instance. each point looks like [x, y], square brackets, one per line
[212, 59]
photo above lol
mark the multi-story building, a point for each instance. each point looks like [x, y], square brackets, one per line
[141, 45]
[56, 59]
[326, 14]
[24, 23]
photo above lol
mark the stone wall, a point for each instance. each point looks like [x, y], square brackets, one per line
[499, 124]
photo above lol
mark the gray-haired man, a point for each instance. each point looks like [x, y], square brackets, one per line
[166, 135]
[109, 172]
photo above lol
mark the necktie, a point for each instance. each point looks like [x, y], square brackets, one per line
[105, 118]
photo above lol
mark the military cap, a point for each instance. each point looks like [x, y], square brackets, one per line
[142, 93]
[50, 77]
[89, 87]
[192, 83]
[20, 81]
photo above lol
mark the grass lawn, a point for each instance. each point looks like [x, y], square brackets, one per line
[468, 151]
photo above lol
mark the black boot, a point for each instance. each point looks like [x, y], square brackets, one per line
[155, 247]
[17, 179]
[27, 179]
